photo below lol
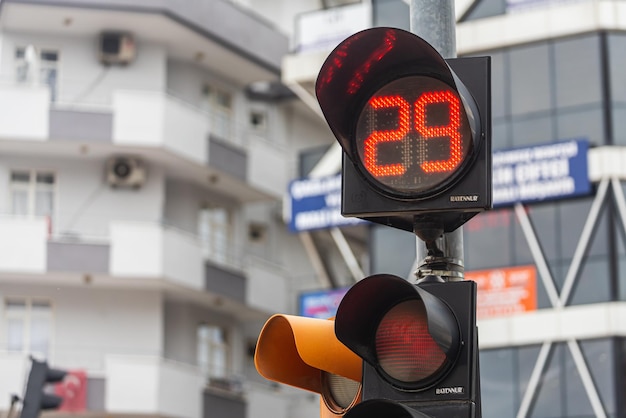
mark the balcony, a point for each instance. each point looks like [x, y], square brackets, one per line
[152, 385]
[123, 384]
[24, 112]
[151, 124]
[146, 385]
[148, 250]
[23, 244]
[14, 368]
[145, 250]
[153, 119]
[147, 253]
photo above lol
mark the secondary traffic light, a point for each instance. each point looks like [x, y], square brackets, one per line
[36, 399]
[304, 352]
[418, 344]
[415, 129]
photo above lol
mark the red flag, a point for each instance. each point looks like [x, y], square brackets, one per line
[73, 390]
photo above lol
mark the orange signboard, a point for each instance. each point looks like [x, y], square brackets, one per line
[505, 291]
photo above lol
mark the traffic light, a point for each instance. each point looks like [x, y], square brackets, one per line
[418, 344]
[304, 352]
[36, 399]
[415, 129]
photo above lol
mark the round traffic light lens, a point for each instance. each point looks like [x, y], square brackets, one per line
[405, 349]
[339, 393]
[413, 136]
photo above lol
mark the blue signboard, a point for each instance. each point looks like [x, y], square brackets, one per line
[316, 204]
[540, 173]
[321, 304]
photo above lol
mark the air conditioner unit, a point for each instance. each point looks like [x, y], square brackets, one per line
[125, 172]
[117, 48]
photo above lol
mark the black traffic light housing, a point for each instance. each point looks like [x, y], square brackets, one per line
[392, 63]
[450, 387]
[36, 399]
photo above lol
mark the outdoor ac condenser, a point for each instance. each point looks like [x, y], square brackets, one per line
[125, 172]
[116, 48]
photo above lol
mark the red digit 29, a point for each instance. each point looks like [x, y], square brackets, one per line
[421, 108]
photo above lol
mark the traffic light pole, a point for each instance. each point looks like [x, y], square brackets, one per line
[434, 21]
[438, 253]
[429, 174]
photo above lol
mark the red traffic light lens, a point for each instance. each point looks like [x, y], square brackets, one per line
[413, 136]
[405, 349]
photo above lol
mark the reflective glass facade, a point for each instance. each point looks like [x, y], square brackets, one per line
[505, 375]
[544, 92]
[549, 91]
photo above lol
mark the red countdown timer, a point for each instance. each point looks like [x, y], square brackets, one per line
[413, 136]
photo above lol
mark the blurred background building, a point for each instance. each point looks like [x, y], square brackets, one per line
[146, 152]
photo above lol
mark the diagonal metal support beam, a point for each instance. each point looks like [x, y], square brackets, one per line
[307, 98]
[315, 259]
[585, 376]
[347, 254]
[583, 242]
[620, 200]
[535, 378]
[537, 253]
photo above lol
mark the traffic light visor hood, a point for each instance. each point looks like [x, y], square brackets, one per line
[410, 336]
[295, 350]
[366, 61]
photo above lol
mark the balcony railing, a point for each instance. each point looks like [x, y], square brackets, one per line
[142, 250]
[152, 385]
[156, 119]
[24, 112]
[23, 244]
[14, 368]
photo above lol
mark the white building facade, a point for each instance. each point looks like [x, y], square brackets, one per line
[145, 148]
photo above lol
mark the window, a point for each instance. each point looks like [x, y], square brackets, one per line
[487, 240]
[28, 325]
[30, 60]
[215, 232]
[505, 376]
[531, 84]
[218, 104]
[569, 86]
[32, 193]
[212, 353]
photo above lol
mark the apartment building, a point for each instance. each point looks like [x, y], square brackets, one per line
[145, 148]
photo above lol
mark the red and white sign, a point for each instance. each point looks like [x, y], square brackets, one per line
[73, 390]
[505, 291]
